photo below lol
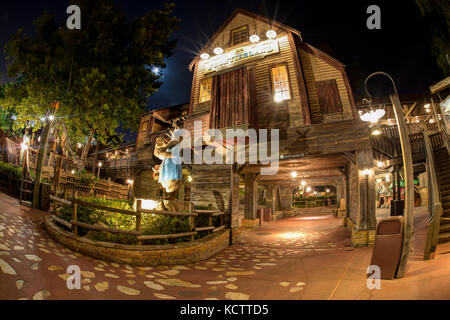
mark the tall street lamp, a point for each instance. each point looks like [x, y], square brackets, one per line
[407, 168]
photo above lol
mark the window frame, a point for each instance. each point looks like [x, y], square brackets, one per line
[235, 29]
[272, 88]
[200, 90]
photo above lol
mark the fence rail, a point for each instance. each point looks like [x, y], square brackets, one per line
[313, 203]
[74, 223]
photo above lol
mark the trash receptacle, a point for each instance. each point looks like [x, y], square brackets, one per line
[388, 245]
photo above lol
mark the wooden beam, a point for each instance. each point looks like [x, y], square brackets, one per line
[410, 110]
[350, 157]
[409, 185]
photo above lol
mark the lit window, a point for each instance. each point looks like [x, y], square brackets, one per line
[205, 90]
[144, 126]
[239, 35]
[280, 83]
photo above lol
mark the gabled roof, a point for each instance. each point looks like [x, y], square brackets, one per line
[251, 15]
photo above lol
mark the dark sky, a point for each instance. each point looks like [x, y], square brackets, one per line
[401, 47]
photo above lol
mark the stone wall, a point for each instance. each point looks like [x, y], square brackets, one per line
[146, 255]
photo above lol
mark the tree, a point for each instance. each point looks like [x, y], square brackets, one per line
[438, 14]
[102, 74]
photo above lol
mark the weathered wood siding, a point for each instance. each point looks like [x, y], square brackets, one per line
[269, 114]
[317, 69]
[353, 192]
[211, 184]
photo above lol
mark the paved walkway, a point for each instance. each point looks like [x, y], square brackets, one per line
[295, 258]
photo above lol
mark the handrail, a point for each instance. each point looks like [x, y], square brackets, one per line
[435, 205]
[74, 223]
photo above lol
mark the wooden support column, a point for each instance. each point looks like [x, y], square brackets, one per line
[270, 196]
[42, 155]
[363, 229]
[366, 183]
[409, 185]
[250, 201]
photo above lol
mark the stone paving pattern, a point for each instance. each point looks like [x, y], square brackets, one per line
[293, 258]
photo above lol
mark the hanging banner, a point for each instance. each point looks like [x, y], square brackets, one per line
[228, 59]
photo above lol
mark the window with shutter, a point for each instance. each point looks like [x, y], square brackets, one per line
[329, 99]
[239, 35]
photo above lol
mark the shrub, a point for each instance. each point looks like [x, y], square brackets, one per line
[9, 169]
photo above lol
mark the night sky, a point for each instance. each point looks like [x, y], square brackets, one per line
[401, 47]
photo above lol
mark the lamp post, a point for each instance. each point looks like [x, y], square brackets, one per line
[98, 172]
[408, 172]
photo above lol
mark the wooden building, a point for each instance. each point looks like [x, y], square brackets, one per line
[258, 73]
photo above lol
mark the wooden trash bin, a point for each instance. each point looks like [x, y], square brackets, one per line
[388, 246]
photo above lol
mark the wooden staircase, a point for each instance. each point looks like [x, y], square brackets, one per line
[442, 165]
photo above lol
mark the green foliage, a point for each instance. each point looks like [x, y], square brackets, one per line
[14, 172]
[101, 74]
[437, 13]
[151, 224]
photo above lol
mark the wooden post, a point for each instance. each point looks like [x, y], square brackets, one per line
[409, 185]
[43, 147]
[191, 220]
[74, 213]
[210, 222]
[138, 219]
[250, 201]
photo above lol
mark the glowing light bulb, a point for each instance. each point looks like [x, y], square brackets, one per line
[380, 164]
[190, 179]
[218, 50]
[271, 34]
[303, 183]
[72, 172]
[366, 172]
[376, 132]
[293, 174]
[100, 164]
[204, 56]
[51, 117]
[254, 38]
[130, 181]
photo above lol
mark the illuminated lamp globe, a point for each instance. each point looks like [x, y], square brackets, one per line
[308, 189]
[254, 38]
[373, 115]
[204, 56]
[218, 50]
[51, 117]
[380, 164]
[303, 183]
[271, 34]
[294, 174]
[375, 132]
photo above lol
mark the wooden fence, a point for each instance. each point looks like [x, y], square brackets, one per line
[74, 223]
[312, 203]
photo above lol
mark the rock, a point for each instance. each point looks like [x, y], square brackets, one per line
[33, 257]
[300, 284]
[178, 283]
[236, 296]
[163, 296]
[172, 272]
[153, 285]
[232, 279]
[88, 274]
[131, 282]
[101, 286]
[110, 275]
[181, 268]
[64, 276]
[128, 291]
[295, 289]
[3, 247]
[216, 282]
[239, 273]
[34, 266]
[6, 268]
[17, 248]
[284, 283]
[231, 286]
[41, 295]
[55, 268]
[19, 284]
